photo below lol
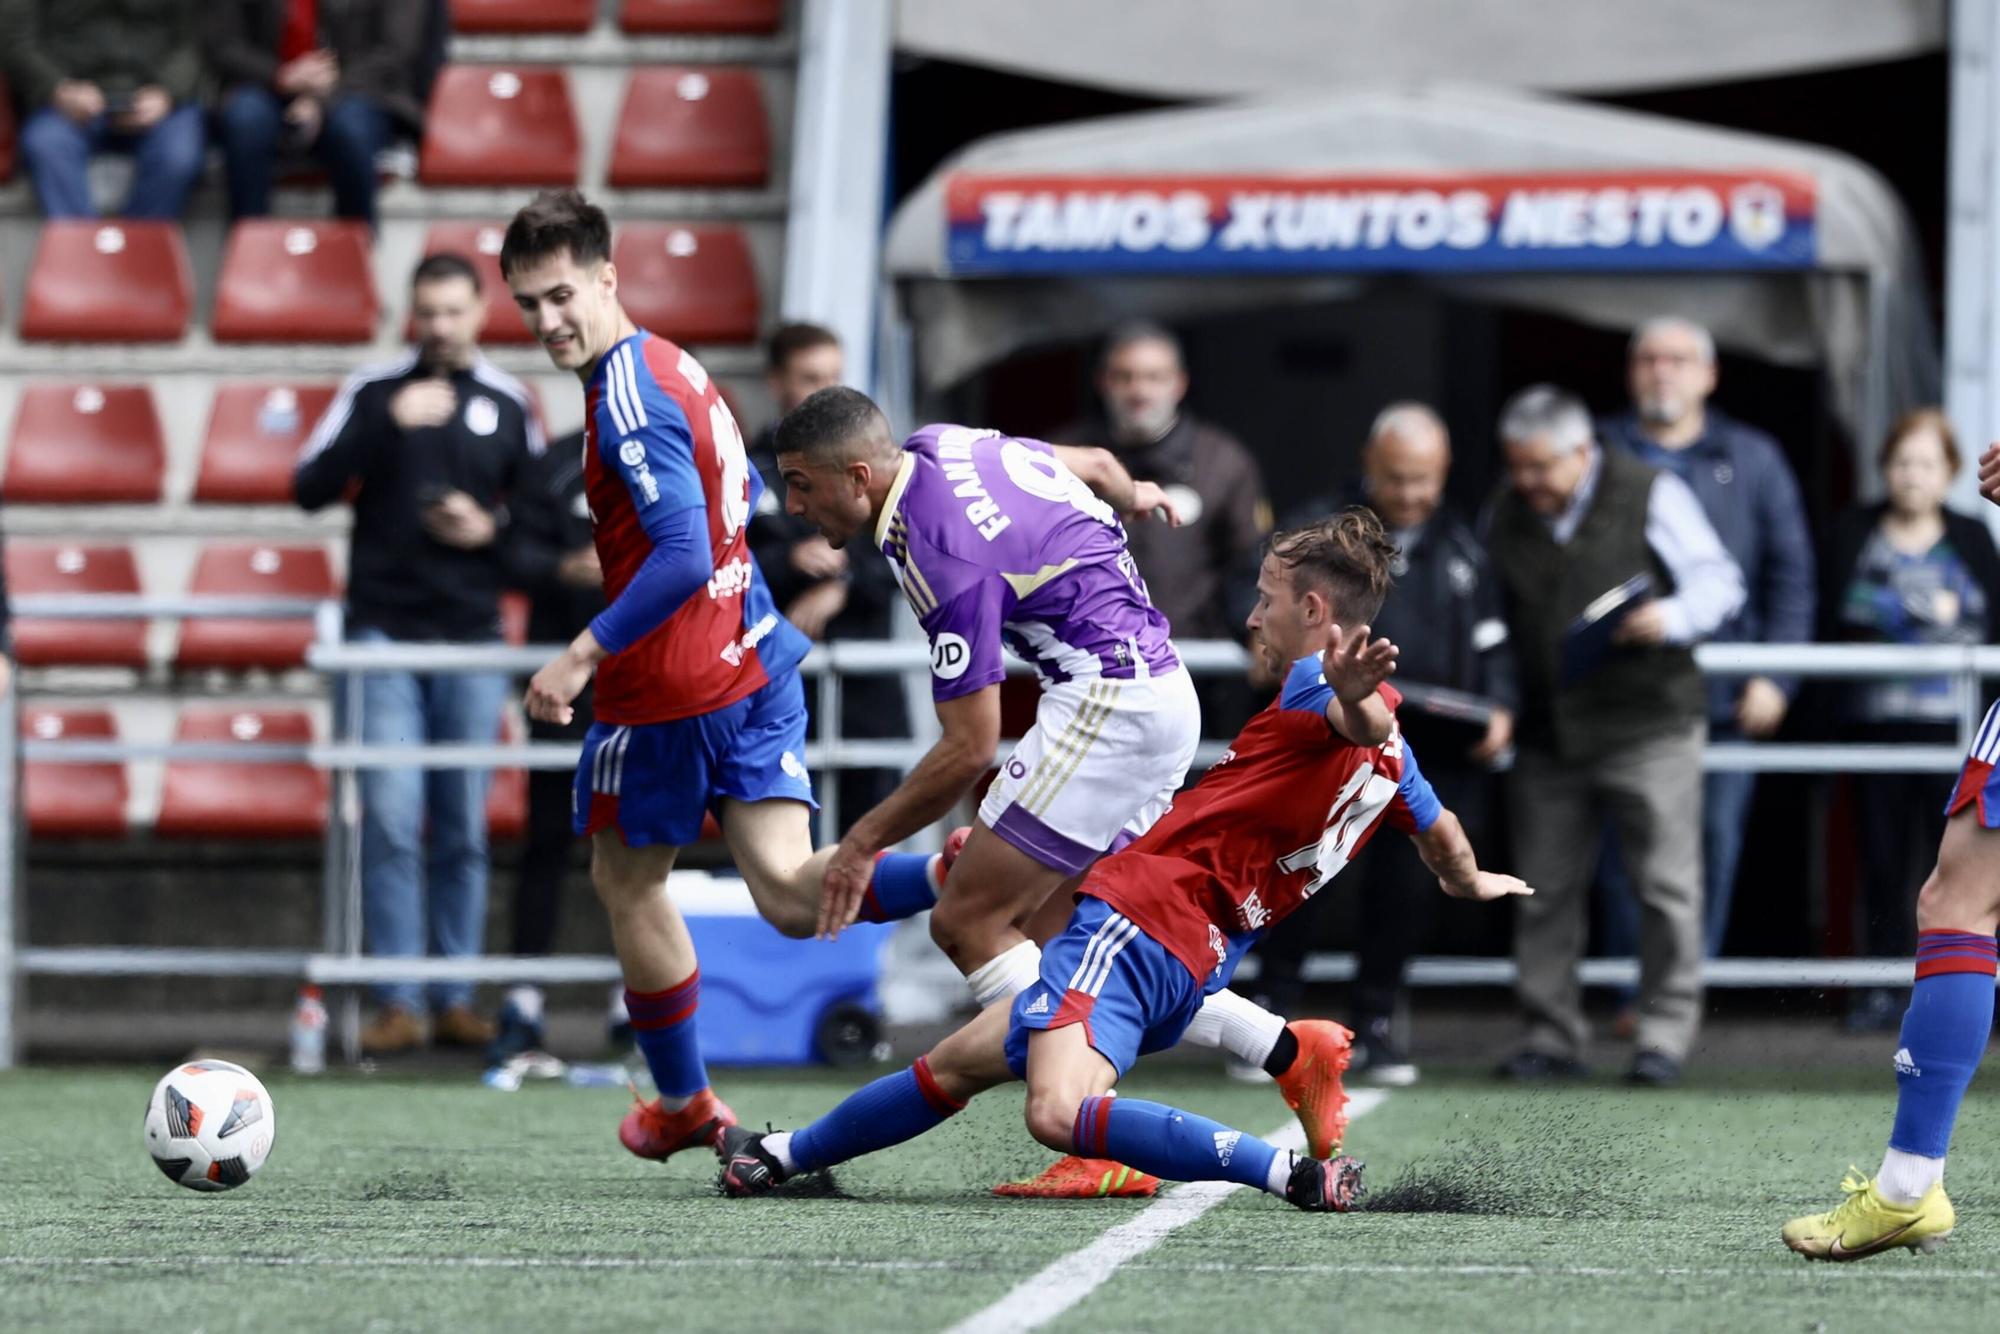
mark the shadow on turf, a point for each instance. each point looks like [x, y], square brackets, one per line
[806, 1186]
[1555, 1171]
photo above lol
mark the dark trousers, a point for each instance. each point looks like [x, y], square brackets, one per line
[550, 850]
[1899, 820]
[252, 125]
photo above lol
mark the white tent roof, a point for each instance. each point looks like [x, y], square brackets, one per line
[1860, 312]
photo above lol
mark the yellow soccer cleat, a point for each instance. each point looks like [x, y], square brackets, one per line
[1865, 1224]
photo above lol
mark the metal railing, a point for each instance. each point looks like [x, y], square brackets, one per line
[340, 961]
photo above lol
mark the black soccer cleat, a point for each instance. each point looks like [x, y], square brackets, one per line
[747, 1169]
[1324, 1187]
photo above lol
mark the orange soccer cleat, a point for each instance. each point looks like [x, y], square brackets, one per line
[1073, 1178]
[653, 1132]
[1311, 1087]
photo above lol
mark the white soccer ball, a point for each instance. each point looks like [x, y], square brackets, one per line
[210, 1125]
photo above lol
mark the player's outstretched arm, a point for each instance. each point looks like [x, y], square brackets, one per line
[1448, 852]
[1100, 470]
[1355, 666]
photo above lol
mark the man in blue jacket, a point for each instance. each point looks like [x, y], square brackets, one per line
[1747, 490]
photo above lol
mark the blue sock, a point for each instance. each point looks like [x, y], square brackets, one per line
[901, 887]
[663, 1026]
[1170, 1143]
[894, 1108]
[1944, 1035]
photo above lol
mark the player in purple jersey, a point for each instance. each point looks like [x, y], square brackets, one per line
[1000, 541]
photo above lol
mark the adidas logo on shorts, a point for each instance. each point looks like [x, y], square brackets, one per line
[1039, 1005]
[1904, 1065]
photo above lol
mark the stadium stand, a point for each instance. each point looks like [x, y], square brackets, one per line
[124, 282]
[693, 284]
[206, 799]
[691, 16]
[253, 438]
[682, 126]
[66, 568]
[73, 800]
[493, 125]
[480, 243]
[294, 280]
[76, 444]
[253, 570]
[523, 15]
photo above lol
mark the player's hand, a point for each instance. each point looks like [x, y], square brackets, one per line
[555, 687]
[1644, 626]
[457, 520]
[816, 558]
[812, 610]
[580, 569]
[423, 403]
[843, 887]
[1499, 736]
[79, 99]
[1760, 708]
[1487, 886]
[1355, 665]
[1989, 473]
[1150, 501]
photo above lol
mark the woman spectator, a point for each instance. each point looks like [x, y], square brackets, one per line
[1907, 570]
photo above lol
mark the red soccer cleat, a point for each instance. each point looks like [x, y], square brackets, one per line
[652, 1132]
[1312, 1086]
[1074, 1178]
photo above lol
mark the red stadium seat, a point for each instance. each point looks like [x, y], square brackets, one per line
[291, 281]
[73, 800]
[68, 568]
[211, 799]
[8, 131]
[507, 795]
[253, 570]
[523, 15]
[703, 15]
[109, 282]
[253, 439]
[683, 126]
[480, 243]
[691, 284]
[493, 125]
[87, 444]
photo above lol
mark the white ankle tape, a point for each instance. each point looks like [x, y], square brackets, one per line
[1007, 975]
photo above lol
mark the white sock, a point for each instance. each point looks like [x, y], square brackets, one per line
[527, 1002]
[1906, 1177]
[1007, 975]
[779, 1146]
[1244, 1029]
[1282, 1164]
[615, 1012]
[934, 874]
[672, 1104]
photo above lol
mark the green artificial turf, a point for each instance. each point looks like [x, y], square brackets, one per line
[440, 1205]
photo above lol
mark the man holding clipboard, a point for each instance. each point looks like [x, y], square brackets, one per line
[1610, 574]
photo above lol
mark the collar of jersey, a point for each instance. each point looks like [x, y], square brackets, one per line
[904, 471]
[604, 362]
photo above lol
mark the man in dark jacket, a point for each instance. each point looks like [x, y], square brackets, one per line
[1444, 615]
[430, 446]
[1749, 495]
[338, 80]
[118, 74]
[828, 594]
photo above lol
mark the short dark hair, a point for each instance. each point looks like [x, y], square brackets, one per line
[554, 222]
[1346, 556]
[792, 339]
[445, 264]
[1131, 332]
[829, 420]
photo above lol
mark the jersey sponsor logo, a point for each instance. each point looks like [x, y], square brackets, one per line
[950, 656]
[955, 457]
[732, 580]
[633, 455]
[482, 415]
[1252, 913]
[1220, 944]
[1225, 1145]
[733, 651]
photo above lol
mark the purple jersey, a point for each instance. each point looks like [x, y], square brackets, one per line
[993, 540]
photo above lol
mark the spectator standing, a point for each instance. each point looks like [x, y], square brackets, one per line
[336, 79]
[829, 594]
[1622, 736]
[1444, 614]
[1749, 494]
[1907, 570]
[430, 445]
[124, 75]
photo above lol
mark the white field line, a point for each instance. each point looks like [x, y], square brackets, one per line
[1036, 1301]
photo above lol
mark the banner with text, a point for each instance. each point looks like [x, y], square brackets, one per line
[1606, 221]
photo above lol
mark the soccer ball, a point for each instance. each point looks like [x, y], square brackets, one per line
[209, 1125]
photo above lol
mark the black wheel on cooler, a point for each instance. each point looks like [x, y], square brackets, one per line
[848, 1034]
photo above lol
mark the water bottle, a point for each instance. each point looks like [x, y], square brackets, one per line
[309, 1033]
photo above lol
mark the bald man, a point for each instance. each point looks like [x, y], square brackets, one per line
[1444, 613]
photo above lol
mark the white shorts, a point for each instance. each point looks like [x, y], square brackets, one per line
[1098, 768]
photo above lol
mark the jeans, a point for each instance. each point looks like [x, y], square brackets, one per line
[424, 891]
[166, 160]
[252, 124]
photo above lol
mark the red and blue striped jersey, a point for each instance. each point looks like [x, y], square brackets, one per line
[658, 439]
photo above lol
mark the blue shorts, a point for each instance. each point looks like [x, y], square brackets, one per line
[1978, 778]
[654, 782]
[1128, 992]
